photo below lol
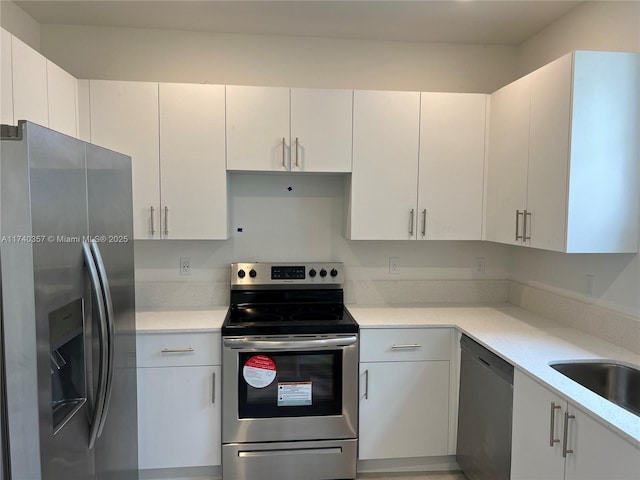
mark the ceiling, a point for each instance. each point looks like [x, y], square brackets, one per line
[456, 21]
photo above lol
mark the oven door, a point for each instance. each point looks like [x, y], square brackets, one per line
[291, 388]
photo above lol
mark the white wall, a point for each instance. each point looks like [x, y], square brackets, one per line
[198, 57]
[609, 25]
[17, 22]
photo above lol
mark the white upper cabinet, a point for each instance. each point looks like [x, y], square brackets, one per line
[418, 166]
[192, 161]
[257, 128]
[6, 79]
[384, 183]
[35, 89]
[507, 161]
[574, 188]
[62, 90]
[29, 70]
[124, 117]
[321, 130]
[281, 129]
[451, 168]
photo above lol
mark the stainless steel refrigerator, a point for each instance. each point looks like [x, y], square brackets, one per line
[67, 349]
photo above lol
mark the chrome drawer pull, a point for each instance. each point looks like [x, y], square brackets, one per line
[565, 440]
[177, 350]
[405, 346]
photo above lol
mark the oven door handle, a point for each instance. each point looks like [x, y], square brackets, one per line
[245, 343]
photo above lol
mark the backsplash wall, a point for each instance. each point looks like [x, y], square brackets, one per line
[289, 217]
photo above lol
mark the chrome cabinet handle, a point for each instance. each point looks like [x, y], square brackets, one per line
[565, 440]
[405, 346]
[411, 212]
[166, 220]
[283, 153]
[213, 393]
[524, 229]
[518, 213]
[366, 384]
[552, 427]
[177, 350]
[153, 227]
[424, 222]
[297, 148]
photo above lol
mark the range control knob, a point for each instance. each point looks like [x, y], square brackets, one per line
[252, 273]
[241, 273]
[323, 273]
[312, 272]
[334, 272]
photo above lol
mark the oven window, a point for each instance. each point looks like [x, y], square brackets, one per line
[305, 384]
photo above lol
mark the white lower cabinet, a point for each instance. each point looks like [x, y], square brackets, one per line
[592, 450]
[179, 400]
[404, 393]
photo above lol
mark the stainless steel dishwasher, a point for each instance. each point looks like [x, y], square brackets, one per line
[485, 412]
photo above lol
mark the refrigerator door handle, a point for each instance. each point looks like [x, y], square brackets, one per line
[110, 322]
[98, 406]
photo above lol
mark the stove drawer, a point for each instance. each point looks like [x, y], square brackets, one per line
[404, 344]
[178, 349]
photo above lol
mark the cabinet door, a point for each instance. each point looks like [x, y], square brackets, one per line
[124, 117]
[508, 159]
[62, 93]
[549, 155]
[6, 79]
[452, 144]
[257, 128]
[179, 423]
[192, 161]
[321, 130]
[384, 182]
[402, 414]
[532, 456]
[29, 84]
[598, 453]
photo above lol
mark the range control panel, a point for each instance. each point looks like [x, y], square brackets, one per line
[265, 274]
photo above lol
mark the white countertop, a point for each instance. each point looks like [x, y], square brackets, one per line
[527, 341]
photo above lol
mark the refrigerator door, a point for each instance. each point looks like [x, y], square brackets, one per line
[111, 226]
[59, 214]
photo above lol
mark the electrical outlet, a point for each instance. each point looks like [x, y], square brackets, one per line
[394, 265]
[185, 266]
[478, 265]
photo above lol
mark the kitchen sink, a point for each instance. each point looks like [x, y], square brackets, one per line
[617, 383]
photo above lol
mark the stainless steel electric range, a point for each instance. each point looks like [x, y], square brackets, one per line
[290, 374]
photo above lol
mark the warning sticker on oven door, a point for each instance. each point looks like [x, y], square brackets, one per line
[293, 394]
[259, 371]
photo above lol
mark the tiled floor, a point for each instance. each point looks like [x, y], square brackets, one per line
[412, 476]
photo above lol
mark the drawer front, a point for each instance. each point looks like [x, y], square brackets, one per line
[404, 344]
[178, 349]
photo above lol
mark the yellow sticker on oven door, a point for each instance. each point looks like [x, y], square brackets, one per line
[259, 371]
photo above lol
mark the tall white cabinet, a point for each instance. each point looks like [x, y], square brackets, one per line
[418, 166]
[6, 79]
[563, 156]
[451, 166]
[384, 182]
[592, 450]
[124, 117]
[193, 177]
[174, 134]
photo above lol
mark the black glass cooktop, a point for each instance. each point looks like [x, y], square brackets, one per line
[289, 312]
